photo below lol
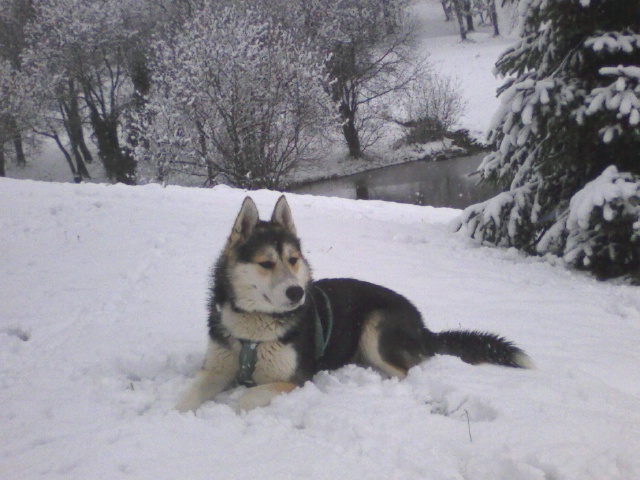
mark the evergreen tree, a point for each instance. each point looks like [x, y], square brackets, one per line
[567, 138]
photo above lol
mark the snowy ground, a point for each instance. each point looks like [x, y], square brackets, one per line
[102, 324]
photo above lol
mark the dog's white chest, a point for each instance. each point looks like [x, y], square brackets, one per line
[252, 326]
[276, 362]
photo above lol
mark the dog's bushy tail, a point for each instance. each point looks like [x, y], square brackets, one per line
[480, 347]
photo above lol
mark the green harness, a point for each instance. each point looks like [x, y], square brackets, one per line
[249, 349]
[248, 358]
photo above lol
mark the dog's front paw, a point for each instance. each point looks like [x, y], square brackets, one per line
[262, 395]
[188, 403]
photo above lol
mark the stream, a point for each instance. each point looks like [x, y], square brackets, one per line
[443, 183]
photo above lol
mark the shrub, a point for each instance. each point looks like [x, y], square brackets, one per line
[433, 106]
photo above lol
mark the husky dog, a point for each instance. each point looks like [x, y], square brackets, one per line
[271, 327]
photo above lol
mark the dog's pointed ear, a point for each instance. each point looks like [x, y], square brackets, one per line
[246, 221]
[282, 216]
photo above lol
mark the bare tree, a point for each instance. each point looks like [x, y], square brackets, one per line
[368, 45]
[359, 82]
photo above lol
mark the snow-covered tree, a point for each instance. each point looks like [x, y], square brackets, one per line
[431, 108]
[369, 60]
[567, 137]
[12, 110]
[14, 15]
[369, 56]
[91, 53]
[235, 99]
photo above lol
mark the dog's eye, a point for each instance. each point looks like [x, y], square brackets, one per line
[267, 265]
[293, 261]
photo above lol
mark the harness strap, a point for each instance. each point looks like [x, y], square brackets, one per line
[321, 337]
[248, 358]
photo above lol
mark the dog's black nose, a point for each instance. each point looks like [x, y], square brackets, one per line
[294, 293]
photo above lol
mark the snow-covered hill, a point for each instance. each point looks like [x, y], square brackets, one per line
[102, 324]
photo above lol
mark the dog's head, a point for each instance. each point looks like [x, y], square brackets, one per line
[265, 269]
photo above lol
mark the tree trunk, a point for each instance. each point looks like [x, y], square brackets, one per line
[21, 159]
[468, 15]
[493, 15]
[141, 78]
[470, 27]
[77, 139]
[3, 173]
[118, 162]
[16, 136]
[457, 8]
[74, 125]
[76, 176]
[81, 166]
[447, 10]
[344, 92]
[350, 131]
[212, 171]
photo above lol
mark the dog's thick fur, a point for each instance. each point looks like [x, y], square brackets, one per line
[263, 293]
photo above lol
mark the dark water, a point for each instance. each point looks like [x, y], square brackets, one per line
[444, 183]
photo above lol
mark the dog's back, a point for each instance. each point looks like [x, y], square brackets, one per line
[380, 328]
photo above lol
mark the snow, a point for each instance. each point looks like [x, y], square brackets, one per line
[609, 186]
[471, 63]
[613, 42]
[103, 324]
[612, 199]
